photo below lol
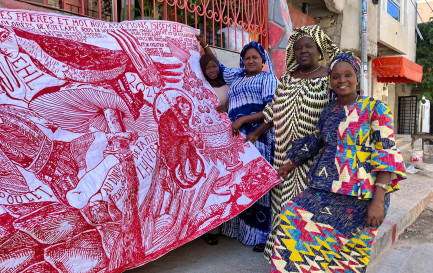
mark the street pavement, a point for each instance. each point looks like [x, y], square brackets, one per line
[405, 258]
[413, 252]
[229, 256]
[387, 256]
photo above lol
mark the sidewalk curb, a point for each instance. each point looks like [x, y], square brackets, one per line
[397, 220]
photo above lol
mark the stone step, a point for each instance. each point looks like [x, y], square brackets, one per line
[399, 140]
[415, 194]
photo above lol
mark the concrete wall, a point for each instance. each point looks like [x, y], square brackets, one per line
[386, 37]
[398, 35]
[227, 58]
[351, 27]
[344, 27]
[392, 100]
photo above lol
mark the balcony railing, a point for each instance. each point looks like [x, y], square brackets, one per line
[225, 23]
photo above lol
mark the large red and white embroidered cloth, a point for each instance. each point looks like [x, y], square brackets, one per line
[111, 151]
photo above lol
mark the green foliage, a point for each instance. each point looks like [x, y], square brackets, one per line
[424, 57]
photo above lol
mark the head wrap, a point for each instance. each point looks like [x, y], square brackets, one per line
[204, 60]
[265, 57]
[323, 42]
[348, 57]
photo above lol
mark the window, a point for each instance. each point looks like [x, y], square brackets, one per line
[393, 9]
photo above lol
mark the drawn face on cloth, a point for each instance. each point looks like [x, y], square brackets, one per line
[184, 107]
[8, 43]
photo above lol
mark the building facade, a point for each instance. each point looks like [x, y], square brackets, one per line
[391, 32]
[391, 47]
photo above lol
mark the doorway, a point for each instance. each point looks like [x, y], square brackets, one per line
[407, 112]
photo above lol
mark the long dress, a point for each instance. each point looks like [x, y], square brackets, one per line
[324, 229]
[295, 111]
[248, 96]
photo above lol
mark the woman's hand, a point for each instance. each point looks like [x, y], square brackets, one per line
[236, 125]
[374, 213]
[375, 208]
[201, 40]
[251, 137]
[284, 170]
[203, 44]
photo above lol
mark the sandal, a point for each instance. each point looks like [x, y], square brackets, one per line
[259, 248]
[210, 239]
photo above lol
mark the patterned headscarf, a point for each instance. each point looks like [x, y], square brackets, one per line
[348, 57]
[265, 57]
[323, 42]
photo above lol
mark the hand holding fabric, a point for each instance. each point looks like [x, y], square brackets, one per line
[253, 137]
[201, 40]
[236, 125]
[284, 170]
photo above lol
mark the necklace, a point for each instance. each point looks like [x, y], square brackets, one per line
[357, 97]
[306, 73]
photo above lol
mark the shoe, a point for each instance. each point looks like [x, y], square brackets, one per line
[210, 239]
[259, 248]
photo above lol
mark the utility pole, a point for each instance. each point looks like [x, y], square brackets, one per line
[364, 58]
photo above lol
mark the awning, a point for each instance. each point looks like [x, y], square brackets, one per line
[396, 69]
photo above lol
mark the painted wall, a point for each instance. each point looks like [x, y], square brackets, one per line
[424, 11]
[300, 19]
[282, 19]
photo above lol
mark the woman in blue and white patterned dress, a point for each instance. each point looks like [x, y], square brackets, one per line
[250, 89]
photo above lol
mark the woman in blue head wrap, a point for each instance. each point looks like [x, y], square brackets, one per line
[250, 89]
[357, 165]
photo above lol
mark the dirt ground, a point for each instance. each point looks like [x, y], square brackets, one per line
[421, 230]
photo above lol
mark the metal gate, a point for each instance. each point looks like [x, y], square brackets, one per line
[228, 24]
[407, 113]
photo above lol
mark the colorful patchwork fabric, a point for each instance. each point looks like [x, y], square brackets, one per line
[323, 232]
[357, 141]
